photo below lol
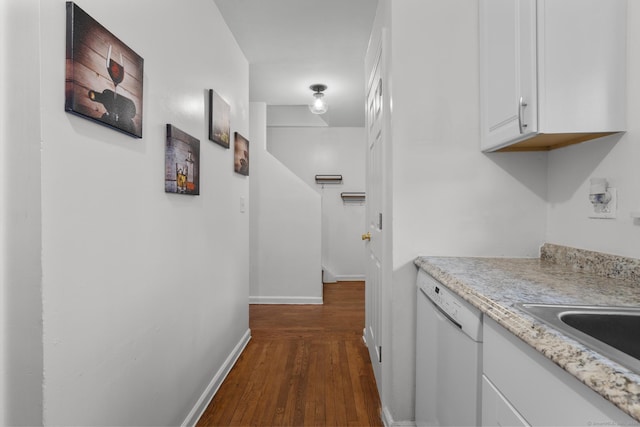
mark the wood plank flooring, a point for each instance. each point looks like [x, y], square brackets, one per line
[305, 365]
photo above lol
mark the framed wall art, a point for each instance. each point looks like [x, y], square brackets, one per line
[219, 122]
[241, 154]
[182, 162]
[103, 75]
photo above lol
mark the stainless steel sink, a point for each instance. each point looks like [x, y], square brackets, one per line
[611, 331]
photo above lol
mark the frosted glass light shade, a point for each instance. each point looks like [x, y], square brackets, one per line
[319, 105]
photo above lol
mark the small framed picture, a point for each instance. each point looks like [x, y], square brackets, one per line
[182, 162]
[103, 75]
[241, 154]
[219, 122]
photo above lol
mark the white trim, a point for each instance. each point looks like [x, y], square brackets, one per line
[327, 276]
[350, 278]
[387, 420]
[285, 300]
[211, 390]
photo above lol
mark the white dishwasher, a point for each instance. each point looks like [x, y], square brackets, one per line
[448, 357]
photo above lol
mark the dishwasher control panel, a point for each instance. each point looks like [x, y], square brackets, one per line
[461, 313]
[442, 298]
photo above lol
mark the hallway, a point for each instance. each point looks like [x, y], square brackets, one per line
[304, 365]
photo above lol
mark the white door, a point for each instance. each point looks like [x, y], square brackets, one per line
[508, 86]
[375, 225]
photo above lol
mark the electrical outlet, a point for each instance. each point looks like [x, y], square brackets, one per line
[605, 210]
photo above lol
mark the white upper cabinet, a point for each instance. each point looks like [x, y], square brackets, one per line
[552, 72]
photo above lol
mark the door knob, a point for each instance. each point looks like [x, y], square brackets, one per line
[366, 236]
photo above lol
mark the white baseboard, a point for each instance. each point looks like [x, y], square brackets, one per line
[216, 382]
[350, 278]
[327, 276]
[388, 421]
[285, 300]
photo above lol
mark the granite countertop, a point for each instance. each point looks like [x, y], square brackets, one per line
[560, 276]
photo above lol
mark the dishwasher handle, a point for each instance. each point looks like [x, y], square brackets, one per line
[441, 311]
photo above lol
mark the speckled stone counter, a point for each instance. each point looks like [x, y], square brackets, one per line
[559, 276]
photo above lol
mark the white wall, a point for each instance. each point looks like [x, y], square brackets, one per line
[144, 293]
[309, 151]
[615, 158]
[3, 282]
[293, 116]
[20, 229]
[448, 198]
[285, 227]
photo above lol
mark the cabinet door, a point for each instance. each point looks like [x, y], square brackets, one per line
[508, 90]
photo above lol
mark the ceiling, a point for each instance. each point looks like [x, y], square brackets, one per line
[292, 44]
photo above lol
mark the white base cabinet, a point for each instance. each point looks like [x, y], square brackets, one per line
[552, 72]
[522, 387]
[496, 409]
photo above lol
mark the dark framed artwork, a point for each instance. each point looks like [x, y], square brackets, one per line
[182, 162]
[241, 154]
[103, 77]
[219, 122]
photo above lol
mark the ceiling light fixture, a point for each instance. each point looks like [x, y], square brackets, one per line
[319, 105]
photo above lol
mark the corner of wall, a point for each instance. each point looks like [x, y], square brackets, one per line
[20, 216]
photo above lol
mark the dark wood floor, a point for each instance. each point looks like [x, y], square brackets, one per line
[305, 365]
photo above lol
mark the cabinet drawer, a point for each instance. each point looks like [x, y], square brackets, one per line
[496, 409]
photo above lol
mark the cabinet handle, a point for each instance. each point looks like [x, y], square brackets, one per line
[521, 106]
